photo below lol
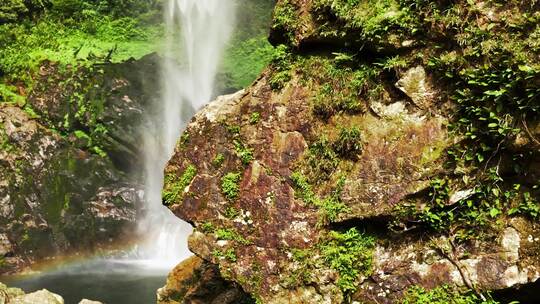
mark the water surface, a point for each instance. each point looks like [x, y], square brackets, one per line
[108, 281]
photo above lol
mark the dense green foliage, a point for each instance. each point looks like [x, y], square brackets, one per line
[86, 32]
[75, 31]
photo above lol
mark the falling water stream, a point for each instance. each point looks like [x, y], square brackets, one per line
[188, 76]
[196, 34]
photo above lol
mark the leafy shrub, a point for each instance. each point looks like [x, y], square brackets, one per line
[281, 67]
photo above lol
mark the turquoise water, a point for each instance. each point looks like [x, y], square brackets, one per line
[108, 281]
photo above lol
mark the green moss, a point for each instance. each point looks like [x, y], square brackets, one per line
[349, 142]
[231, 235]
[442, 295]
[174, 188]
[303, 274]
[331, 206]
[339, 88]
[349, 253]
[233, 129]
[231, 213]
[371, 20]
[244, 153]
[228, 254]
[281, 67]
[184, 139]
[254, 118]
[207, 227]
[230, 185]
[218, 160]
[321, 160]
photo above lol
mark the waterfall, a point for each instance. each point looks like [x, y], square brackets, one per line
[196, 34]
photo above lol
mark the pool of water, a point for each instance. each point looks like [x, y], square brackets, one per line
[108, 281]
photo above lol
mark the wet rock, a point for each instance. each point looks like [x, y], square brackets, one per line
[85, 301]
[264, 194]
[42, 296]
[46, 186]
[415, 84]
[6, 293]
[196, 281]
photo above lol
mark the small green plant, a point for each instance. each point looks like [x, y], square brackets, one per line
[281, 67]
[254, 118]
[285, 19]
[233, 129]
[207, 227]
[303, 272]
[244, 153]
[228, 254]
[331, 206]
[230, 185]
[231, 235]
[174, 187]
[218, 160]
[349, 142]
[349, 253]
[321, 160]
[184, 139]
[528, 206]
[231, 213]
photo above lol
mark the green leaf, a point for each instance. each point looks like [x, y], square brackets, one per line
[494, 212]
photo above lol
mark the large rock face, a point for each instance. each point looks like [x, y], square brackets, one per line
[67, 160]
[384, 148]
[57, 198]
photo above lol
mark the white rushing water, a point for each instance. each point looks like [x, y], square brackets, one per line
[197, 32]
